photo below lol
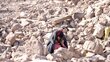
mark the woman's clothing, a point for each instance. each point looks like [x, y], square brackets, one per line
[54, 44]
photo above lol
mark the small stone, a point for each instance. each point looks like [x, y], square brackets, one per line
[45, 50]
[89, 54]
[72, 23]
[90, 12]
[22, 14]
[70, 35]
[24, 22]
[15, 27]
[83, 22]
[74, 60]
[94, 59]
[10, 38]
[99, 31]
[53, 57]
[108, 57]
[103, 21]
[75, 2]
[83, 60]
[81, 40]
[100, 57]
[98, 11]
[47, 36]
[79, 15]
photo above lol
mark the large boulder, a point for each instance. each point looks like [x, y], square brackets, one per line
[33, 46]
[19, 56]
[92, 46]
[65, 53]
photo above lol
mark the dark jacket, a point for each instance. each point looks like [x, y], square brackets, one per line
[52, 40]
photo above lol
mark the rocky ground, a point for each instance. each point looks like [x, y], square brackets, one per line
[26, 25]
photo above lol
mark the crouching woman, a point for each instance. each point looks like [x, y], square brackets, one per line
[57, 40]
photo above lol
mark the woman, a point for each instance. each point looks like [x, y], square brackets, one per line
[57, 40]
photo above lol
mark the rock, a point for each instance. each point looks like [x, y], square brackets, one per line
[89, 54]
[83, 60]
[62, 52]
[108, 58]
[58, 1]
[83, 22]
[19, 34]
[54, 57]
[75, 2]
[90, 12]
[98, 11]
[102, 20]
[79, 29]
[71, 47]
[38, 60]
[38, 57]
[40, 39]
[73, 41]
[84, 52]
[47, 36]
[88, 30]
[34, 47]
[79, 15]
[39, 50]
[22, 14]
[94, 59]
[4, 47]
[61, 19]
[24, 22]
[10, 38]
[15, 27]
[108, 20]
[74, 59]
[69, 35]
[72, 23]
[107, 48]
[45, 50]
[99, 31]
[81, 40]
[95, 47]
[42, 18]
[19, 56]
[100, 58]
[5, 60]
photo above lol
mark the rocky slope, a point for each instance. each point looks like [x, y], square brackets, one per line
[26, 25]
